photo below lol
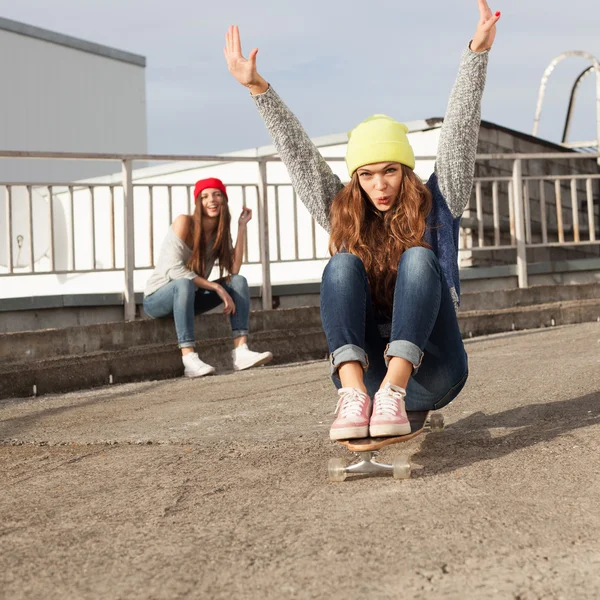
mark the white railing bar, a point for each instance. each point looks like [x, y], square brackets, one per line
[190, 200]
[30, 228]
[496, 212]
[51, 220]
[64, 272]
[244, 198]
[527, 207]
[574, 210]
[543, 216]
[295, 207]
[263, 233]
[479, 205]
[269, 158]
[561, 244]
[9, 248]
[559, 215]
[492, 179]
[482, 248]
[93, 198]
[151, 223]
[72, 224]
[112, 226]
[277, 232]
[590, 207]
[519, 224]
[561, 177]
[128, 241]
[511, 213]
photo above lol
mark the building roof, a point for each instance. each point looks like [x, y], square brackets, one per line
[71, 42]
[334, 139]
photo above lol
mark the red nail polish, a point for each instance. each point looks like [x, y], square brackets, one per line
[498, 14]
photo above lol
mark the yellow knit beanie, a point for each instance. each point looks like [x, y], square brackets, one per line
[378, 139]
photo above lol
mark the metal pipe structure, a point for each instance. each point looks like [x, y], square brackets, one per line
[549, 69]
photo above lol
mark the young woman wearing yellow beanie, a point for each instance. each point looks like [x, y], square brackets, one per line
[390, 290]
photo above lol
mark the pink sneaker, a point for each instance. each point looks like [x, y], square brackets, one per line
[353, 412]
[389, 413]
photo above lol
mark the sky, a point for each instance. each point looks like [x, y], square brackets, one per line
[334, 62]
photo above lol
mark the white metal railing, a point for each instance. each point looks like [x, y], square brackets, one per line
[115, 225]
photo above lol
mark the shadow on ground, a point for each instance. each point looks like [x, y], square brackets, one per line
[470, 440]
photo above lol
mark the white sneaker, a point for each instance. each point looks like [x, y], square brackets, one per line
[194, 367]
[244, 358]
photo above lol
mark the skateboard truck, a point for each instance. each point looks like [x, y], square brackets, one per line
[366, 450]
[337, 469]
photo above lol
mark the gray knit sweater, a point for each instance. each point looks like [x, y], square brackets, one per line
[450, 184]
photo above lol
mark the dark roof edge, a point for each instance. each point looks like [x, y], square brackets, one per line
[514, 132]
[71, 42]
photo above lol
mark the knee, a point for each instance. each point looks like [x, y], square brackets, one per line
[418, 259]
[453, 390]
[239, 283]
[342, 268]
[184, 287]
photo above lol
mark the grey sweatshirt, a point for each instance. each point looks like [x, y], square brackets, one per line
[316, 184]
[171, 264]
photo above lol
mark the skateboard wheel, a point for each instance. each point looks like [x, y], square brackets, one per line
[336, 469]
[401, 468]
[436, 422]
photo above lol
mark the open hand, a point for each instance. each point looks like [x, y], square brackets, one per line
[244, 70]
[245, 216]
[486, 28]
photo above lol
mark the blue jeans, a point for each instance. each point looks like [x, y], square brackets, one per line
[424, 328]
[183, 300]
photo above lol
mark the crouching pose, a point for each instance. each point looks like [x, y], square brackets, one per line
[179, 284]
[390, 291]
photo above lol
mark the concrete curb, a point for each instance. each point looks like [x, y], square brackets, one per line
[56, 361]
[107, 337]
[150, 362]
[480, 322]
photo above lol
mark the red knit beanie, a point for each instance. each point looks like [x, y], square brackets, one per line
[211, 182]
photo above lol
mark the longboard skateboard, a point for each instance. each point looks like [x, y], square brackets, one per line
[366, 449]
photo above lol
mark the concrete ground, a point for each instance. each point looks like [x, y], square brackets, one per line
[217, 488]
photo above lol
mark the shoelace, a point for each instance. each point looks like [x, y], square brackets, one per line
[387, 401]
[350, 403]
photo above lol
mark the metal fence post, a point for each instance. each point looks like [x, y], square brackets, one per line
[128, 240]
[263, 232]
[517, 183]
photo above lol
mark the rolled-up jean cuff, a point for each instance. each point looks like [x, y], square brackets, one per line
[187, 344]
[348, 353]
[236, 333]
[404, 349]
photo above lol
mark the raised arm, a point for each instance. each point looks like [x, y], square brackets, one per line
[455, 164]
[311, 176]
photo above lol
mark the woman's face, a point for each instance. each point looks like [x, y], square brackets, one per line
[381, 182]
[212, 200]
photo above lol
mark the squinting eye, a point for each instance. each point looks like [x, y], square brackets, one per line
[391, 170]
[364, 174]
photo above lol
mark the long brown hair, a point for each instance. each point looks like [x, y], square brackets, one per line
[379, 238]
[221, 250]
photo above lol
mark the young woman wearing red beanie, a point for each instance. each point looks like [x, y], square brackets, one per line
[179, 284]
[390, 290]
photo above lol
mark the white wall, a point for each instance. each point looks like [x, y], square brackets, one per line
[57, 98]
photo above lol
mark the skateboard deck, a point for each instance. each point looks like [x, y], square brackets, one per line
[367, 448]
[417, 424]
